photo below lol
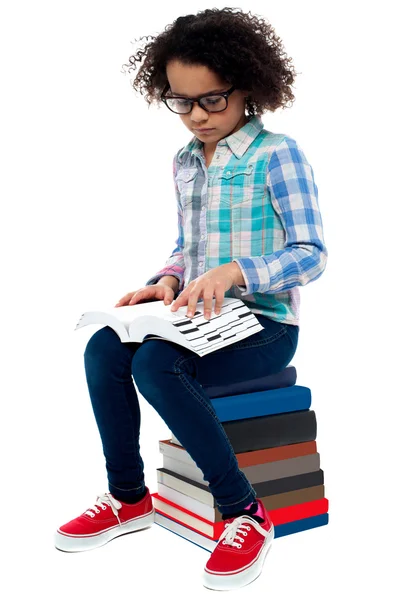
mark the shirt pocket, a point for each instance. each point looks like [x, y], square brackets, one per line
[236, 185]
[185, 181]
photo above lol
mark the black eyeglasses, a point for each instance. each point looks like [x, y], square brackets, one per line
[211, 103]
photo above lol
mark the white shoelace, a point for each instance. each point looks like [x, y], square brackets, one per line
[238, 528]
[103, 501]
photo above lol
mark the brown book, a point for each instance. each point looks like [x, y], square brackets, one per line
[287, 499]
[257, 457]
[245, 459]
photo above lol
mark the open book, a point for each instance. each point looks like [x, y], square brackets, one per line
[155, 320]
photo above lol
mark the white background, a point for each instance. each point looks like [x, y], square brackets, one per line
[81, 227]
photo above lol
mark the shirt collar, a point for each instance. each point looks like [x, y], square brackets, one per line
[238, 142]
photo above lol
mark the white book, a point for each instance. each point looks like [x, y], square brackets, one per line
[198, 491]
[199, 508]
[174, 440]
[177, 452]
[177, 466]
[185, 532]
[155, 320]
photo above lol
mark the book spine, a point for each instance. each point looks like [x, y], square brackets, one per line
[178, 453]
[182, 468]
[174, 440]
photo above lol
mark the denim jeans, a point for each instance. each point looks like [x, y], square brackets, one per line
[174, 381]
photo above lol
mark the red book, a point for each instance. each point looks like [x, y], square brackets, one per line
[299, 511]
[214, 530]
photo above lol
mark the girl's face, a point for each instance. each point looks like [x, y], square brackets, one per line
[195, 80]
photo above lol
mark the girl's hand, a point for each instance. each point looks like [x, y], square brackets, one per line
[212, 283]
[159, 291]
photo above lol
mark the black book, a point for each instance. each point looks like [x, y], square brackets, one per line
[271, 431]
[289, 484]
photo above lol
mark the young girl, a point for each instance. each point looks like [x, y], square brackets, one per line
[249, 227]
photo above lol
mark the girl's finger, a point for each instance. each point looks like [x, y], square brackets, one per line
[208, 304]
[176, 304]
[120, 302]
[124, 298]
[192, 304]
[219, 295]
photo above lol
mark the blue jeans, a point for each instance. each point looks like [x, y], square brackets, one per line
[174, 380]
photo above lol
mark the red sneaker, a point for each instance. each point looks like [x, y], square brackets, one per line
[96, 527]
[240, 553]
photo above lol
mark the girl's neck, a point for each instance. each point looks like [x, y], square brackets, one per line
[210, 148]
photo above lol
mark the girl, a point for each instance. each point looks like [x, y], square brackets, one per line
[249, 227]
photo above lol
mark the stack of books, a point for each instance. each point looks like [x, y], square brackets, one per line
[273, 434]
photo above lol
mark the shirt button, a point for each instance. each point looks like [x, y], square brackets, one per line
[228, 172]
[200, 264]
[202, 237]
[203, 208]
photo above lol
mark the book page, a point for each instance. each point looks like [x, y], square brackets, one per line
[126, 314]
[96, 317]
[120, 317]
[134, 322]
[155, 319]
[234, 322]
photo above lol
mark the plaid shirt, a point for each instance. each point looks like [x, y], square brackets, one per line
[256, 204]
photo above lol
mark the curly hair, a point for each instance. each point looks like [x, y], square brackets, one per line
[242, 49]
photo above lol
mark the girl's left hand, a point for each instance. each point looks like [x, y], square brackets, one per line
[212, 283]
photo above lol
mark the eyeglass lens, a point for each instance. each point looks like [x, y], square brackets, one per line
[210, 103]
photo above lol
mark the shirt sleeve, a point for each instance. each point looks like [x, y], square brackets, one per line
[294, 196]
[175, 263]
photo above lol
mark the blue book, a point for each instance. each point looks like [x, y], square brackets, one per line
[300, 525]
[260, 404]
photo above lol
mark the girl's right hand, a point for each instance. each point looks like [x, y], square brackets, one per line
[159, 291]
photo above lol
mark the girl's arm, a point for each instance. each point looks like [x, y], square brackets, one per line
[294, 196]
[175, 263]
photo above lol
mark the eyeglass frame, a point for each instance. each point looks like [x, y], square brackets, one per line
[198, 99]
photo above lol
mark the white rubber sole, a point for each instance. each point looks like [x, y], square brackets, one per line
[80, 543]
[238, 580]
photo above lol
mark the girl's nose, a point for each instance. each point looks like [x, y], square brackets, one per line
[198, 114]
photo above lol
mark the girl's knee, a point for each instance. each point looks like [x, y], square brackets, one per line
[102, 342]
